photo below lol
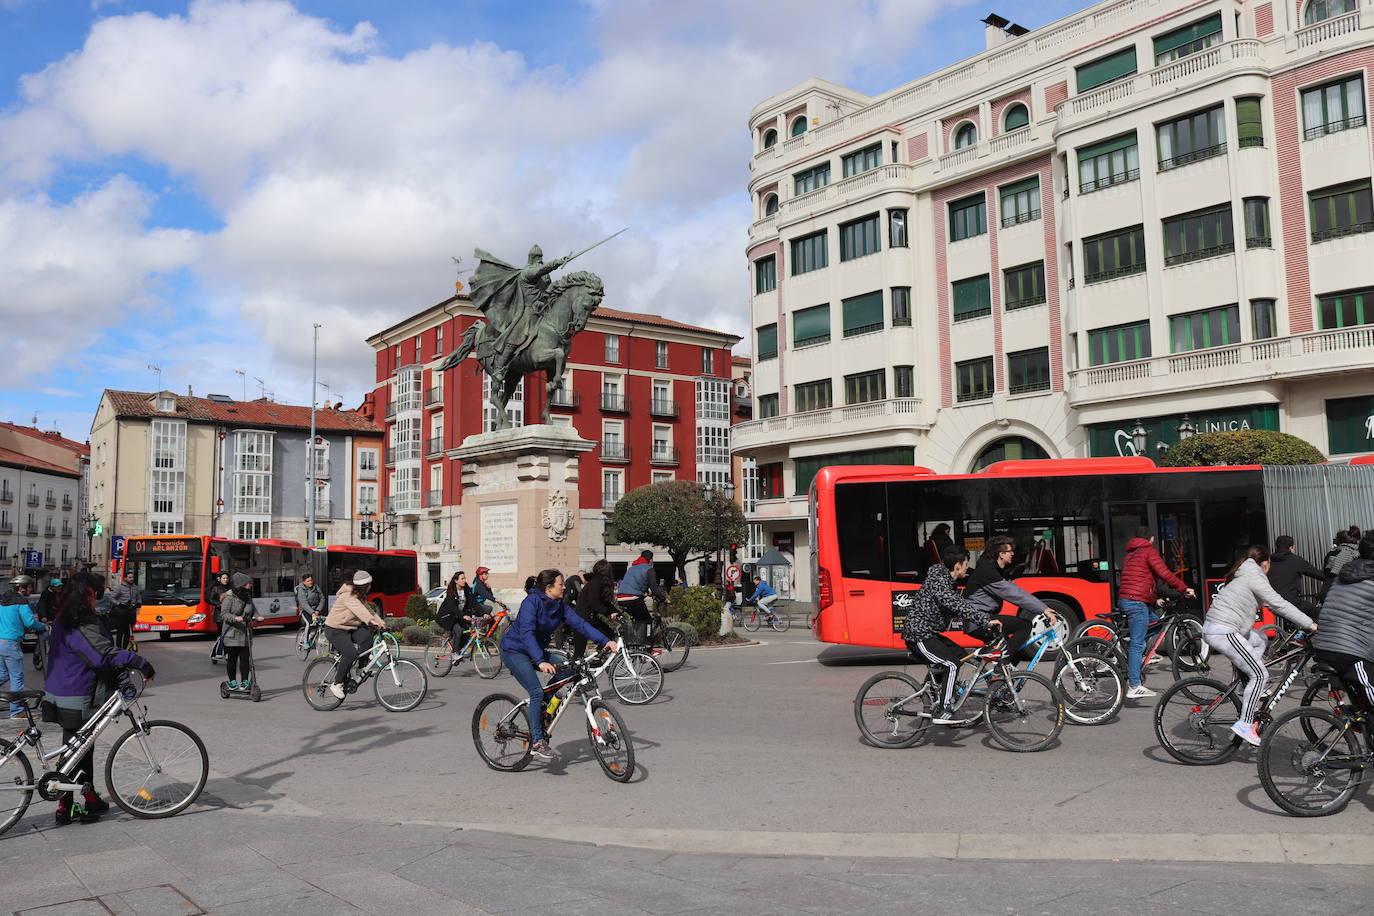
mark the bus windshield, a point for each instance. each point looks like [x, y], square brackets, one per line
[167, 579]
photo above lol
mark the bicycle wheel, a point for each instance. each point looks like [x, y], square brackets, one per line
[501, 732]
[16, 784]
[1310, 762]
[675, 649]
[780, 623]
[486, 657]
[1097, 628]
[305, 639]
[439, 656]
[1188, 651]
[1193, 721]
[1093, 645]
[752, 622]
[1092, 688]
[315, 683]
[888, 710]
[400, 686]
[157, 770]
[636, 677]
[40, 653]
[1024, 713]
[611, 742]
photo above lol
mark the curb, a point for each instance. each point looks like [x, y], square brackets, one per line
[736, 645]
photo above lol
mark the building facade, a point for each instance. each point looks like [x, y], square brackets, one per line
[1149, 211]
[652, 393]
[42, 500]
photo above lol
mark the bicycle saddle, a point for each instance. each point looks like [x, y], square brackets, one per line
[20, 696]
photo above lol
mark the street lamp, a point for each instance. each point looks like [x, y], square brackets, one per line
[14, 563]
[378, 530]
[90, 521]
[1186, 429]
[718, 509]
[1139, 437]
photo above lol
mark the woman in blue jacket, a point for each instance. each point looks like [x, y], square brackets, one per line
[522, 648]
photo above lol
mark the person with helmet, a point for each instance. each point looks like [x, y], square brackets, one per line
[50, 600]
[19, 588]
[16, 618]
[481, 590]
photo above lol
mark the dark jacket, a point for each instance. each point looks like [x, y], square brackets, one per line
[596, 601]
[1347, 621]
[1142, 567]
[309, 599]
[237, 602]
[539, 616]
[482, 592]
[989, 585]
[78, 655]
[1338, 556]
[216, 594]
[937, 604]
[452, 608]
[1286, 570]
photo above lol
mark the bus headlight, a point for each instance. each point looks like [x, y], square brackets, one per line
[195, 619]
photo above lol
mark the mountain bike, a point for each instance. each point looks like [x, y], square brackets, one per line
[667, 644]
[760, 616]
[1178, 633]
[480, 648]
[636, 676]
[155, 769]
[500, 726]
[398, 683]
[309, 638]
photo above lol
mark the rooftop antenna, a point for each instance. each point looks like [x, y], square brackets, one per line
[262, 387]
[328, 392]
[244, 376]
[156, 369]
[459, 273]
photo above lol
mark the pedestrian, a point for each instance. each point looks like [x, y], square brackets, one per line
[989, 585]
[1137, 596]
[125, 600]
[50, 600]
[16, 619]
[595, 604]
[457, 609]
[349, 627]
[1346, 638]
[1286, 570]
[83, 665]
[1346, 549]
[309, 600]
[236, 615]
[639, 582]
[217, 590]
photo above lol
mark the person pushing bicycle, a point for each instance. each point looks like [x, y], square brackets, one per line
[349, 627]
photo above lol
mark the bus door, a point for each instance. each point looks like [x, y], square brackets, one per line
[1177, 536]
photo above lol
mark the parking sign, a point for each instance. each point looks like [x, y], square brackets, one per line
[117, 546]
[33, 559]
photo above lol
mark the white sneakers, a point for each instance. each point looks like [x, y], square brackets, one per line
[1248, 731]
[1140, 692]
[337, 690]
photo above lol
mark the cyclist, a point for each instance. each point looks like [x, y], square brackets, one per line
[50, 600]
[595, 604]
[522, 648]
[1137, 595]
[1286, 570]
[125, 600]
[1230, 628]
[639, 581]
[989, 586]
[349, 627]
[457, 609]
[309, 600]
[1346, 639]
[481, 590]
[16, 618]
[764, 596]
[82, 660]
[235, 616]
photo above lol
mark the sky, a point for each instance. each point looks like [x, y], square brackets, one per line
[185, 189]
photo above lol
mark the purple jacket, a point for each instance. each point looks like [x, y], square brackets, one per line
[75, 655]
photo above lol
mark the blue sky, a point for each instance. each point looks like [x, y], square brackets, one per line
[192, 185]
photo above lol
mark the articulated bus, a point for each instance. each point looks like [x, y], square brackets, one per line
[875, 530]
[176, 573]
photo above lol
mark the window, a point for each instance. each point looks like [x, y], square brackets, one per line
[612, 488]
[166, 404]
[708, 361]
[1198, 235]
[1024, 286]
[972, 298]
[165, 527]
[866, 159]
[1118, 344]
[408, 388]
[661, 354]
[1249, 122]
[1106, 69]
[859, 238]
[810, 252]
[1114, 254]
[896, 229]
[767, 342]
[367, 497]
[1110, 162]
[765, 275]
[252, 493]
[1321, 10]
[252, 451]
[901, 306]
[904, 381]
[1192, 138]
[1263, 319]
[713, 445]
[1333, 107]
[973, 379]
[811, 179]
[1011, 448]
[660, 476]
[968, 217]
[1257, 223]
[1015, 117]
[1190, 39]
[661, 399]
[770, 481]
[1216, 327]
[812, 396]
[1346, 309]
[1343, 209]
[662, 443]
[1028, 370]
[770, 205]
[798, 125]
[768, 406]
[804, 469]
[862, 314]
[713, 399]
[1020, 201]
[865, 386]
[770, 138]
[811, 326]
[167, 491]
[612, 348]
[438, 343]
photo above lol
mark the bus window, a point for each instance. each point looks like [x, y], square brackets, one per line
[394, 575]
[166, 579]
[927, 515]
[861, 527]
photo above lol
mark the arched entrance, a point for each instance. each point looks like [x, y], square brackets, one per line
[1009, 448]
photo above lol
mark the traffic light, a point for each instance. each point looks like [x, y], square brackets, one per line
[99, 529]
[734, 553]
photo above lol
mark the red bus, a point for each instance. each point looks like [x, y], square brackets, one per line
[175, 574]
[875, 530]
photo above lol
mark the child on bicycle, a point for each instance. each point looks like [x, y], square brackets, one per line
[349, 627]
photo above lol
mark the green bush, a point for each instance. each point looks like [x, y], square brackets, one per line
[697, 606]
[692, 638]
[398, 624]
[1246, 446]
[417, 608]
[415, 636]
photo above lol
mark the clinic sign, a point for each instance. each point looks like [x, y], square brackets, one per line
[1350, 425]
[1112, 440]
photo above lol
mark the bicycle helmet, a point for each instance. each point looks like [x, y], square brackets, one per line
[22, 581]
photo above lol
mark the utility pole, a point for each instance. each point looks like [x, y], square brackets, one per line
[310, 452]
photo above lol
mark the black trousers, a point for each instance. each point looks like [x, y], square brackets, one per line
[639, 614]
[349, 644]
[236, 656]
[942, 655]
[1016, 629]
[1357, 672]
[85, 768]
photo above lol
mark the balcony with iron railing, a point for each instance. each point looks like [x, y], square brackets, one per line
[873, 416]
[404, 451]
[564, 398]
[434, 445]
[403, 502]
[614, 450]
[33, 500]
[434, 397]
[6, 496]
[66, 502]
[50, 502]
[663, 407]
[615, 403]
[434, 498]
[664, 455]
[31, 531]
[66, 531]
[324, 508]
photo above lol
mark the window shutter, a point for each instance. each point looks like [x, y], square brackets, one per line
[811, 324]
[1106, 69]
[1189, 33]
[1249, 122]
[972, 295]
[864, 311]
[1125, 141]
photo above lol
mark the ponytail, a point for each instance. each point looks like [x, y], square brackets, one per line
[1257, 552]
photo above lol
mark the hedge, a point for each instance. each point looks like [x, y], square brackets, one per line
[1246, 446]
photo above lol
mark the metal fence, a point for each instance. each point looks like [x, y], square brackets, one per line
[1311, 503]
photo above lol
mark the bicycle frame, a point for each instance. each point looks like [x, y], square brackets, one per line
[73, 750]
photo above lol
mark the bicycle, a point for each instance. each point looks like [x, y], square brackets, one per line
[480, 647]
[1021, 708]
[636, 676]
[155, 769]
[667, 644]
[500, 723]
[399, 684]
[759, 616]
[308, 637]
[1179, 632]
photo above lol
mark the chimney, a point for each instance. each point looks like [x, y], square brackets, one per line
[189, 392]
[994, 30]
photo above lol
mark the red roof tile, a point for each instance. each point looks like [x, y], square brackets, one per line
[19, 459]
[259, 413]
[52, 438]
[644, 318]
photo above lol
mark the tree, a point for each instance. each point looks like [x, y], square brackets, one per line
[682, 517]
[1245, 446]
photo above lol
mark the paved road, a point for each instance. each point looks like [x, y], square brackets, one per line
[753, 794]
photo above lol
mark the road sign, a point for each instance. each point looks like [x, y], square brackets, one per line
[116, 545]
[733, 573]
[33, 559]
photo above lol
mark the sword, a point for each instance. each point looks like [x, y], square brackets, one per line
[590, 247]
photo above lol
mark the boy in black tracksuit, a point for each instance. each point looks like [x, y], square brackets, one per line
[937, 604]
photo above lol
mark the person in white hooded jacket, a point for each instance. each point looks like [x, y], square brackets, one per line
[1230, 629]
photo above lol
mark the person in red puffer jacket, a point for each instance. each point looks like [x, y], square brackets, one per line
[1136, 598]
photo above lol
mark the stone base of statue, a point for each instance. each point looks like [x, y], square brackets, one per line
[520, 502]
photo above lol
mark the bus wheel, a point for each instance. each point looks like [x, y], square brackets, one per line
[1071, 618]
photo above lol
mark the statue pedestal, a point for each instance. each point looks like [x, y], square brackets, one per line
[520, 501]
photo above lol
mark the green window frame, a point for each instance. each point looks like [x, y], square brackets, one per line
[1191, 138]
[1109, 69]
[901, 306]
[765, 275]
[1110, 162]
[1020, 201]
[1015, 117]
[811, 396]
[770, 205]
[862, 314]
[968, 217]
[860, 238]
[805, 469]
[810, 252]
[799, 126]
[1216, 327]
[862, 387]
[1192, 38]
[1340, 210]
[1257, 234]
[767, 347]
[1206, 233]
[966, 135]
[1320, 10]
[972, 297]
[1028, 370]
[1333, 107]
[860, 161]
[1119, 344]
[1264, 321]
[811, 325]
[974, 379]
[1114, 254]
[768, 406]
[1249, 122]
[1346, 309]
[812, 179]
[904, 381]
[1023, 286]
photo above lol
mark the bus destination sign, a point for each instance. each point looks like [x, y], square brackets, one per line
[163, 545]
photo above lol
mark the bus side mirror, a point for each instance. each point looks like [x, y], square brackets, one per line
[214, 564]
